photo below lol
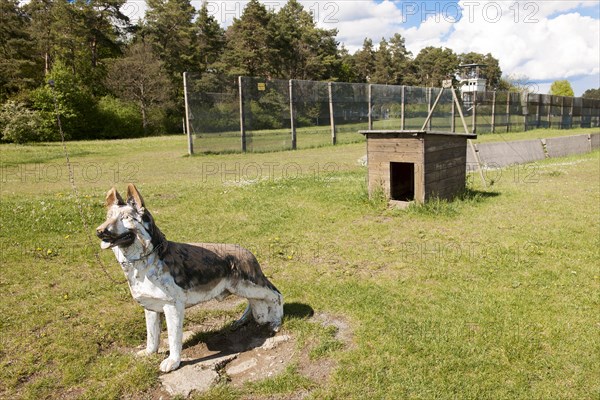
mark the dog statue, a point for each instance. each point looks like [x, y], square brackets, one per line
[167, 277]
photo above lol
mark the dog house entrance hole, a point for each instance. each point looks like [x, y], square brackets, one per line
[402, 181]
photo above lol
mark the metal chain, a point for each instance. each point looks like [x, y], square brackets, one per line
[86, 226]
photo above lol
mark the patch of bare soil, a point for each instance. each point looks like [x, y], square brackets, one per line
[248, 354]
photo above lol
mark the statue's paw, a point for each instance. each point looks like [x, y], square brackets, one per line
[169, 364]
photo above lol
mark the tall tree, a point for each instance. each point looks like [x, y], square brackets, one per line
[384, 68]
[105, 25]
[401, 59]
[249, 49]
[304, 51]
[41, 30]
[209, 39]
[491, 71]
[168, 27]
[80, 33]
[434, 64]
[591, 94]
[364, 60]
[17, 65]
[561, 88]
[141, 77]
[347, 68]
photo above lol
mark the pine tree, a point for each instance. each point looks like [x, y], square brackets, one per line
[347, 68]
[17, 65]
[364, 61]
[169, 29]
[209, 40]
[80, 34]
[40, 29]
[105, 25]
[303, 50]
[249, 49]
[384, 69]
[434, 64]
[401, 60]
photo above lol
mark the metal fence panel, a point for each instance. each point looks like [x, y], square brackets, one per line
[266, 106]
[311, 113]
[350, 110]
[214, 113]
[258, 114]
[386, 106]
[416, 106]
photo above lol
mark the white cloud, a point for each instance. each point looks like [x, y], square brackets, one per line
[539, 47]
[358, 20]
[429, 33]
[543, 40]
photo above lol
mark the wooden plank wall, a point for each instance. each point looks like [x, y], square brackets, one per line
[385, 148]
[445, 166]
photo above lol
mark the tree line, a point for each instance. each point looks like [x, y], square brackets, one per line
[115, 79]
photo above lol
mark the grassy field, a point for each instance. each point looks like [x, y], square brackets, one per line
[492, 296]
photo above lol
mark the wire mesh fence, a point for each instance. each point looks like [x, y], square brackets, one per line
[350, 110]
[266, 120]
[213, 115]
[226, 114]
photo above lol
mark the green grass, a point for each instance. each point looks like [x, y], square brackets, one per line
[491, 296]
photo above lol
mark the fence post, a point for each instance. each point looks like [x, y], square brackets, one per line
[550, 112]
[562, 113]
[508, 111]
[526, 114]
[474, 122]
[538, 116]
[292, 121]
[242, 114]
[429, 96]
[493, 127]
[187, 116]
[370, 114]
[453, 112]
[571, 112]
[403, 97]
[331, 115]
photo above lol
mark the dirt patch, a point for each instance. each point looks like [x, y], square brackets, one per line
[249, 354]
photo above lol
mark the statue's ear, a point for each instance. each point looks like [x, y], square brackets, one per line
[134, 198]
[113, 198]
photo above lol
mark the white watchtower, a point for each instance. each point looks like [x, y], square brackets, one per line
[472, 81]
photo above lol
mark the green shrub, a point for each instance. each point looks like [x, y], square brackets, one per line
[119, 119]
[19, 124]
[76, 105]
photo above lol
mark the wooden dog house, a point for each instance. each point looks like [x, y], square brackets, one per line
[416, 165]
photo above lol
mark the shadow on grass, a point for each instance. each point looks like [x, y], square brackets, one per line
[437, 207]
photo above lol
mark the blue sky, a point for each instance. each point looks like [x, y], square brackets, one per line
[536, 41]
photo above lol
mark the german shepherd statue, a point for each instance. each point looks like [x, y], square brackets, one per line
[168, 277]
